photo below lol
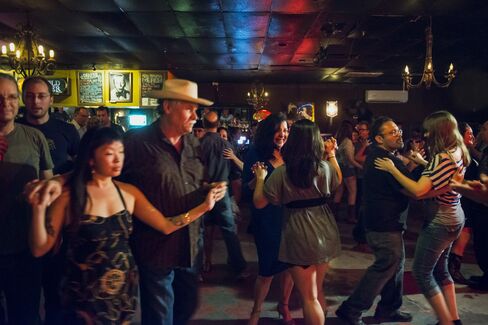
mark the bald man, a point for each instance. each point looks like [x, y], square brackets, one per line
[219, 169]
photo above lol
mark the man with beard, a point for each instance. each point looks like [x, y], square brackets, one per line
[385, 213]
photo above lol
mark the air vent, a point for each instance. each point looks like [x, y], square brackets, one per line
[386, 96]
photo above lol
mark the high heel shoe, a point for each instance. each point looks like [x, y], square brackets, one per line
[254, 317]
[284, 312]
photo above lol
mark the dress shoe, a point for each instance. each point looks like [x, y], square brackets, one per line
[348, 318]
[395, 316]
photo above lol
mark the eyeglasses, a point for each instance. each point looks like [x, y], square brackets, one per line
[41, 96]
[395, 132]
[9, 98]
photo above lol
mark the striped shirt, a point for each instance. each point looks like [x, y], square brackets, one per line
[440, 170]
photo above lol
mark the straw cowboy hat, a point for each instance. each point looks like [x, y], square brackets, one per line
[181, 90]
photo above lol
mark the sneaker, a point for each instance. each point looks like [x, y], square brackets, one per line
[395, 316]
[348, 318]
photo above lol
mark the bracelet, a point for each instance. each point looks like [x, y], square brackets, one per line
[331, 156]
[182, 220]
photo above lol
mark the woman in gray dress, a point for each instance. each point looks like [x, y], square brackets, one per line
[310, 237]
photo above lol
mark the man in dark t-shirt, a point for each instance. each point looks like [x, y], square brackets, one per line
[385, 212]
[62, 137]
[63, 141]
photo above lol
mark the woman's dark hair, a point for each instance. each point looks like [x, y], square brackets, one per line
[302, 153]
[345, 131]
[264, 138]
[229, 136]
[82, 172]
[463, 126]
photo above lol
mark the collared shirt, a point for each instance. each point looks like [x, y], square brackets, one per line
[385, 206]
[81, 129]
[171, 181]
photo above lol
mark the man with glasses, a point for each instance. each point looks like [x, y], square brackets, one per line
[63, 141]
[25, 158]
[61, 136]
[385, 213]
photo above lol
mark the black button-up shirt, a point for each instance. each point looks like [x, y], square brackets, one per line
[385, 206]
[171, 181]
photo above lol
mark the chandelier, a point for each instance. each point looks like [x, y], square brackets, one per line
[27, 56]
[257, 96]
[428, 76]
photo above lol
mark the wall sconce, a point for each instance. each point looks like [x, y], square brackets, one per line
[331, 108]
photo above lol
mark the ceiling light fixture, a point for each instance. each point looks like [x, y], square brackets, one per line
[257, 96]
[428, 76]
[27, 57]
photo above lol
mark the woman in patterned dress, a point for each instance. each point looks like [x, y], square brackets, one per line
[95, 214]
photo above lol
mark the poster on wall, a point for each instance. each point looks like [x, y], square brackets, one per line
[302, 110]
[90, 88]
[151, 80]
[60, 86]
[120, 86]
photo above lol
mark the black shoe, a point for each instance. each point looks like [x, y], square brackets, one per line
[348, 318]
[454, 266]
[395, 316]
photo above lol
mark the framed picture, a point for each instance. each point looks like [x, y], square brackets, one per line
[120, 87]
[303, 110]
[90, 88]
[151, 80]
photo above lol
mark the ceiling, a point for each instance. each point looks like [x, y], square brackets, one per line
[274, 41]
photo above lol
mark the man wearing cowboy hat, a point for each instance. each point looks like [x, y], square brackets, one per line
[163, 160]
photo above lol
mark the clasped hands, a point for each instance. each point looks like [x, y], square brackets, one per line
[260, 170]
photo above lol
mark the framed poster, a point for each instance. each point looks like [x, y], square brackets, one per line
[120, 86]
[90, 88]
[151, 80]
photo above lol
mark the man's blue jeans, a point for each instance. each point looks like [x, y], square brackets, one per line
[384, 277]
[222, 216]
[168, 296]
[431, 256]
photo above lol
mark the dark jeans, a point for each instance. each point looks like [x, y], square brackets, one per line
[431, 256]
[384, 277]
[53, 265]
[222, 216]
[20, 282]
[168, 296]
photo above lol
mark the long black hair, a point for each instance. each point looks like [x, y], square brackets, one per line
[302, 153]
[82, 172]
[264, 138]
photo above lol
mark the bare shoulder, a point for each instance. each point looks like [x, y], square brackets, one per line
[127, 188]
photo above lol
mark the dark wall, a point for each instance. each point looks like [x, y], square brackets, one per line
[419, 105]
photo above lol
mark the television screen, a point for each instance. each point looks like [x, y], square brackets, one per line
[137, 120]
